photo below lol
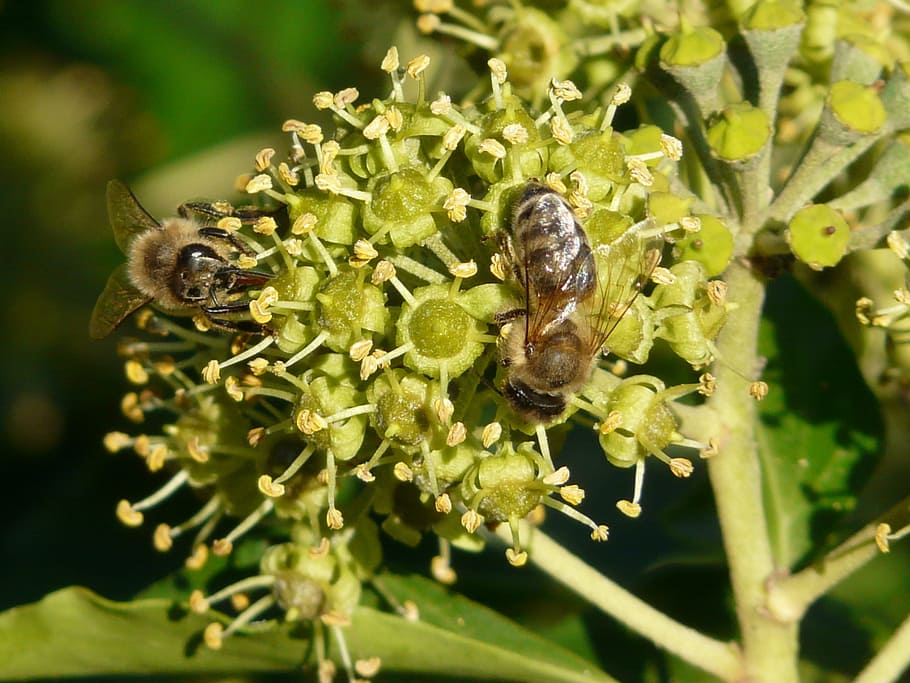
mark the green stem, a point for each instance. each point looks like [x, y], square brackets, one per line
[770, 647]
[790, 597]
[891, 660]
[711, 655]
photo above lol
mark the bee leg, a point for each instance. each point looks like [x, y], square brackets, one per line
[214, 315]
[213, 210]
[505, 248]
[508, 316]
[221, 234]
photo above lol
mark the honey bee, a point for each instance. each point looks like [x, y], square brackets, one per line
[178, 264]
[570, 307]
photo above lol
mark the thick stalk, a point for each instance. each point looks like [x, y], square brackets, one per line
[713, 656]
[770, 648]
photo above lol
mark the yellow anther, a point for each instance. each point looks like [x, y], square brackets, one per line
[601, 533]
[376, 128]
[211, 373]
[390, 62]
[360, 349]
[717, 292]
[708, 383]
[622, 95]
[471, 521]
[443, 504]
[402, 472]
[463, 270]
[247, 261]
[321, 550]
[135, 373]
[671, 147]
[427, 23]
[561, 130]
[516, 558]
[690, 223]
[442, 571]
[758, 390]
[264, 159]
[258, 184]
[417, 65]
[498, 69]
[492, 147]
[116, 441]
[222, 547]
[681, 467]
[453, 136]
[127, 515]
[441, 105]
[491, 434]
[269, 487]
[211, 636]
[515, 133]
[162, 539]
[198, 558]
[572, 494]
[882, 531]
[265, 226]
[628, 508]
[557, 478]
[640, 172]
[197, 451]
[611, 422]
[198, 603]
[334, 519]
[457, 434]
[566, 90]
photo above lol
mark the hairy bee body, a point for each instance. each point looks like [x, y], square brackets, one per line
[177, 264]
[567, 315]
[552, 254]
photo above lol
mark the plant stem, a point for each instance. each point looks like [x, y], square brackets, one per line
[891, 660]
[770, 647]
[711, 655]
[790, 597]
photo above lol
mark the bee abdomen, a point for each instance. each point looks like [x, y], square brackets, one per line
[532, 405]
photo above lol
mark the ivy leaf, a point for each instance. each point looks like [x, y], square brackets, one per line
[74, 632]
[820, 426]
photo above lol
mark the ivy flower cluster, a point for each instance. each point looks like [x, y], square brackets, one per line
[372, 390]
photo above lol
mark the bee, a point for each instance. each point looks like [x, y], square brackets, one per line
[177, 264]
[570, 306]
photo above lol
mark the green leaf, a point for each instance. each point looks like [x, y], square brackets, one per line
[820, 426]
[73, 632]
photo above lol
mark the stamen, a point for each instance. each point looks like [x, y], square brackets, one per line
[544, 445]
[223, 546]
[308, 349]
[254, 350]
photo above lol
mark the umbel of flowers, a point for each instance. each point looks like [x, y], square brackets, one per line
[371, 392]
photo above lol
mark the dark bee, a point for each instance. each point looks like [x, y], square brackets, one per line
[177, 264]
[568, 311]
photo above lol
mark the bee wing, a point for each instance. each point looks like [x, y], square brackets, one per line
[117, 301]
[126, 214]
[624, 268]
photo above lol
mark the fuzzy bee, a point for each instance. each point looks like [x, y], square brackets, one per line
[573, 299]
[177, 264]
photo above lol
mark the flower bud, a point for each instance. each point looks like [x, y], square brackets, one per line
[441, 331]
[403, 204]
[404, 410]
[711, 246]
[818, 236]
[346, 306]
